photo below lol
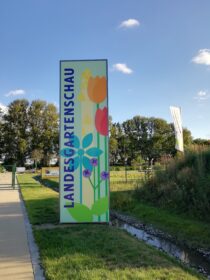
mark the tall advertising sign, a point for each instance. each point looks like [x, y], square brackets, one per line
[176, 115]
[84, 166]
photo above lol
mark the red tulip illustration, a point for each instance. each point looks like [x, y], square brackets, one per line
[101, 121]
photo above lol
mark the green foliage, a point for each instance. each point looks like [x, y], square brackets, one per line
[43, 126]
[142, 138]
[27, 128]
[158, 166]
[120, 176]
[192, 232]
[117, 168]
[37, 155]
[202, 142]
[15, 133]
[30, 127]
[184, 186]
[43, 207]
[93, 252]
[137, 162]
[1, 134]
[42, 203]
[1, 169]
[122, 201]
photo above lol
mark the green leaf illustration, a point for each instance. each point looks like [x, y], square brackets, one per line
[81, 213]
[100, 206]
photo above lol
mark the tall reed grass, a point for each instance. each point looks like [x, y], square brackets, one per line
[184, 185]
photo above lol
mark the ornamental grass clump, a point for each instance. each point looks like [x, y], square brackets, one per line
[183, 187]
[2, 170]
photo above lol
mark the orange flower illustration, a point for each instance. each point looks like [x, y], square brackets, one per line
[97, 89]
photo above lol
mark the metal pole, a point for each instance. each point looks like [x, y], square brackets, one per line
[126, 177]
[13, 175]
[125, 163]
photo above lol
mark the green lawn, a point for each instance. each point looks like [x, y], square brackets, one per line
[102, 252]
[115, 185]
[42, 203]
[132, 175]
[116, 177]
[92, 251]
[192, 232]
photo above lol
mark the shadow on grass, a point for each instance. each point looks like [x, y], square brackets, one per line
[47, 183]
[42, 203]
[43, 210]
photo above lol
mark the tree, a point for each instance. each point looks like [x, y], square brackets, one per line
[37, 155]
[50, 137]
[113, 142]
[135, 137]
[36, 124]
[138, 162]
[150, 138]
[15, 136]
[187, 137]
[26, 128]
[120, 153]
[202, 142]
[43, 127]
[1, 134]
[161, 139]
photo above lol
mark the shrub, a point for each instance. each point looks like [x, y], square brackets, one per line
[121, 200]
[2, 169]
[184, 186]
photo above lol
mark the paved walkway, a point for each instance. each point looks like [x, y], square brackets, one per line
[15, 261]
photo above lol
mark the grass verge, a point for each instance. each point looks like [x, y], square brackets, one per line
[102, 252]
[194, 233]
[42, 203]
[92, 251]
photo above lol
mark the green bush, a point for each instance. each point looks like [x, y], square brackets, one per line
[2, 169]
[121, 200]
[184, 186]
[116, 168]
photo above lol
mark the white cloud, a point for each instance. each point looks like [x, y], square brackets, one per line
[129, 23]
[202, 95]
[3, 108]
[56, 105]
[122, 67]
[15, 92]
[203, 57]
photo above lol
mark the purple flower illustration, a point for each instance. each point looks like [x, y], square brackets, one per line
[86, 173]
[104, 175]
[94, 161]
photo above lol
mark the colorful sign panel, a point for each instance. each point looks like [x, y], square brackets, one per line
[84, 167]
[176, 115]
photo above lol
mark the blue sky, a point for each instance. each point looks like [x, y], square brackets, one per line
[158, 53]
